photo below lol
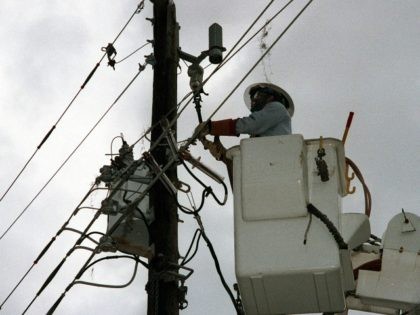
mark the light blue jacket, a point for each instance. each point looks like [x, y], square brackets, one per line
[272, 120]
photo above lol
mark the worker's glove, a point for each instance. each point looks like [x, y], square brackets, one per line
[202, 130]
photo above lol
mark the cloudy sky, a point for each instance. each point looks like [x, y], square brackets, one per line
[340, 56]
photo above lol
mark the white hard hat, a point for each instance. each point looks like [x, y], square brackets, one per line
[277, 89]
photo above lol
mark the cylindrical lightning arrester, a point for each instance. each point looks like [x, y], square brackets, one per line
[216, 48]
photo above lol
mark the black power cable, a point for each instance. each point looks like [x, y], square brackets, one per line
[219, 272]
[187, 259]
[331, 227]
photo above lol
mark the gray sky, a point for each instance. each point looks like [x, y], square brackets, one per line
[340, 56]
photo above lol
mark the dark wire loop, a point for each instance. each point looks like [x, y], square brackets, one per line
[186, 260]
[207, 189]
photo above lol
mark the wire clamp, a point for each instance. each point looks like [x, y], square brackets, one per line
[140, 7]
[155, 168]
[150, 59]
[106, 244]
[182, 293]
[111, 53]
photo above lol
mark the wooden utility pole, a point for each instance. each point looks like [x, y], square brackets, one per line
[163, 290]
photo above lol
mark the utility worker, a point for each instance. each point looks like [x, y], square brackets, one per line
[271, 111]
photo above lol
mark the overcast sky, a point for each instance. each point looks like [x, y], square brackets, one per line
[340, 56]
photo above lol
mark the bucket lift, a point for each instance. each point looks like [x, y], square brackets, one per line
[290, 263]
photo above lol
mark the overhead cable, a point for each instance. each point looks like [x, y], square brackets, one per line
[138, 49]
[226, 58]
[142, 67]
[48, 134]
[113, 286]
[257, 32]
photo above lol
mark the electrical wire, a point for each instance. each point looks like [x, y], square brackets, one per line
[46, 248]
[48, 134]
[257, 32]
[186, 260]
[208, 188]
[217, 265]
[58, 267]
[135, 51]
[225, 59]
[110, 286]
[331, 227]
[71, 154]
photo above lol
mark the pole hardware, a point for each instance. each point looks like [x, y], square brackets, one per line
[320, 162]
[196, 72]
[111, 53]
[106, 244]
[182, 293]
[195, 162]
[154, 166]
[170, 138]
[150, 59]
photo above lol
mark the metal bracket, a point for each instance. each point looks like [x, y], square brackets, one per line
[154, 166]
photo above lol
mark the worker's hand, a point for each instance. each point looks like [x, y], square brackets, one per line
[217, 149]
[202, 130]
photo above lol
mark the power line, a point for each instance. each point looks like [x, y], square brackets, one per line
[48, 134]
[73, 152]
[135, 51]
[259, 30]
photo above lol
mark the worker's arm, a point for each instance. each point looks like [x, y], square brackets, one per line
[259, 122]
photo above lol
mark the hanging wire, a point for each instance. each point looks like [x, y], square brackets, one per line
[217, 264]
[111, 286]
[48, 134]
[186, 259]
[72, 153]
